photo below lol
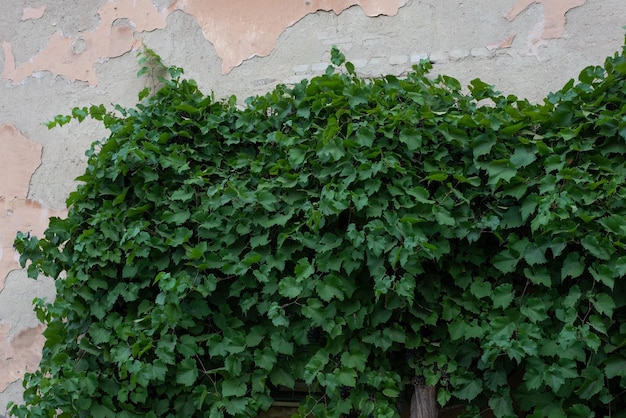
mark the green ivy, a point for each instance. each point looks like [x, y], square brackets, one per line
[350, 234]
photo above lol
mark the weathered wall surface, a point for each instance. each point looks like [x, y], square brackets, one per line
[57, 54]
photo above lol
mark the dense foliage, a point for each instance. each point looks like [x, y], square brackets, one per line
[351, 234]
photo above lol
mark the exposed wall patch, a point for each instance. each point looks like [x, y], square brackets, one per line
[20, 354]
[33, 13]
[19, 158]
[552, 25]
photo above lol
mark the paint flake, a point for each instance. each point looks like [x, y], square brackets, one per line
[33, 13]
[501, 45]
[553, 23]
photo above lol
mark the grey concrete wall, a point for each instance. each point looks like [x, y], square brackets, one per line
[57, 54]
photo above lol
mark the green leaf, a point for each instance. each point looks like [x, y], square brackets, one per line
[523, 156]
[579, 411]
[594, 383]
[346, 376]
[534, 309]
[604, 304]
[365, 136]
[554, 378]
[457, 330]
[534, 255]
[443, 396]
[505, 261]
[469, 391]
[573, 266]
[290, 287]
[186, 372]
[480, 288]
[280, 377]
[101, 411]
[599, 248]
[443, 217]
[603, 274]
[303, 269]
[354, 360]
[499, 171]
[529, 205]
[615, 367]
[503, 295]
[330, 287]
[614, 223]
[183, 195]
[482, 144]
[411, 137]
[539, 275]
[502, 407]
[233, 387]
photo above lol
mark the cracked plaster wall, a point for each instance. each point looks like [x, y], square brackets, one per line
[60, 54]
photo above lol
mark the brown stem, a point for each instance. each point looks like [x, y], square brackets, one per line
[423, 401]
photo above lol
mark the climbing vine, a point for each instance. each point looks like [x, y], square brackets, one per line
[355, 235]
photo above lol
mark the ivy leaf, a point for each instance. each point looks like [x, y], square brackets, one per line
[411, 137]
[601, 249]
[443, 396]
[500, 171]
[573, 266]
[482, 144]
[233, 387]
[579, 411]
[615, 367]
[614, 223]
[522, 157]
[604, 304]
[529, 205]
[480, 288]
[554, 378]
[469, 391]
[304, 269]
[101, 411]
[594, 383]
[347, 376]
[503, 296]
[505, 261]
[539, 275]
[280, 377]
[354, 360]
[534, 255]
[186, 372]
[502, 407]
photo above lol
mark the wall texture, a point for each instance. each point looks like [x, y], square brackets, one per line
[57, 54]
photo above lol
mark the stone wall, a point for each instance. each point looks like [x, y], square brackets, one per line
[58, 54]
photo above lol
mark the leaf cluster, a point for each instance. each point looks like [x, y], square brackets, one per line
[351, 234]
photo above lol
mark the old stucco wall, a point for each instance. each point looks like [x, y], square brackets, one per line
[57, 54]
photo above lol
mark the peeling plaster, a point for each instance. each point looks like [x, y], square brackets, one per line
[253, 32]
[19, 158]
[552, 25]
[501, 45]
[108, 40]
[259, 24]
[33, 13]
[20, 354]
